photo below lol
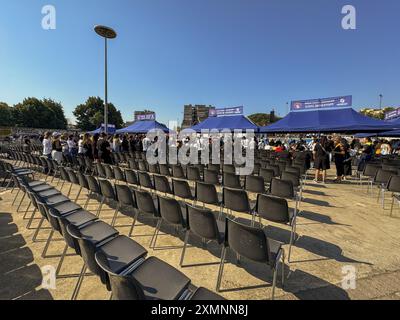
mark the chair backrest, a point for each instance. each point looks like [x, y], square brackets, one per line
[125, 195]
[193, 173]
[273, 208]
[145, 180]
[124, 288]
[211, 176]
[282, 188]
[93, 184]
[214, 167]
[206, 193]
[275, 168]
[203, 223]
[119, 174]
[236, 200]
[154, 168]
[161, 184]
[170, 211]
[181, 188]
[383, 176]
[394, 184]
[107, 189]
[267, 174]
[295, 170]
[101, 171]
[109, 171]
[255, 184]
[246, 241]
[145, 203]
[178, 172]
[72, 176]
[82, 180]
[228, 168]
[131, 177]
[164, 170]
[64, 174]
[231, 180]
[132, 164]
[143, 165]
[370, 170]
[293, 177]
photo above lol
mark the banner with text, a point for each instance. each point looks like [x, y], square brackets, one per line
[226, 112]
[345, 101]
[146, 117]
[392, 114]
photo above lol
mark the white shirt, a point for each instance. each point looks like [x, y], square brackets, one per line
[71, 144]
[81, 148]
[47, 148]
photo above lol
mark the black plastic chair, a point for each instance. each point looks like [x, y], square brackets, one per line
[151, 279]
[236, 200]
[381, 180]
[231, 180]
[211, 177]
[283, 189]
[255, 184]
[203, 224]
[164, 170]
[121, 251]
[145, 205]
[277, 210]
[253, 244]
[131, 178]
[145, 180]
[207, 194]
[161, 184]
[119, 174]
[394, 188]
[178, 172]
[193, 173]
[181, 189]
[171, 213]
[267, 174]
[108, 193]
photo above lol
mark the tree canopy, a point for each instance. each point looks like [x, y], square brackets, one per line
[34, 113]
[376, 113]
[262, 119]
[90, 115]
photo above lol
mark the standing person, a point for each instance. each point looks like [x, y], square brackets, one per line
[321, 159]
[116, 144]
[386, 149]
[124, 144]
[57, 147]
[72, 147]
[104, 148]
[340, 155]
[47, 145]
[95, 150]
[347, 159]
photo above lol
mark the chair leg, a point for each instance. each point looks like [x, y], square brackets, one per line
[391, 207]
[20, 203]
[283, 268]
[46, 247]
[77, 196]
[221, 269]
[155, 236]
[69, 191]
[79, 283]
[133, 224]
[31, 219]
[114, 220]
[184, 247]
[15, 198]
[274, 284]
[38, 229]
[87, 200]
[100, 207]
[60, 263]
[26, 210]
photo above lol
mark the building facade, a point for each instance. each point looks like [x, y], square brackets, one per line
[194, 114]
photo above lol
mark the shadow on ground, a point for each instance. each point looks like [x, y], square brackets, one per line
[19, 278]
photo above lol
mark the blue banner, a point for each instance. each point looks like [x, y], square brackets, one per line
[345, 101]
[111, 128]
[392, 114]
[226, 112]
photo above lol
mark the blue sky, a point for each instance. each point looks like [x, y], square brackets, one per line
[259, 53]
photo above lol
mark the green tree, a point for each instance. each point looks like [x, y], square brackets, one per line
[90, 115]
[5, 115]
[376, 113]
[262, 119]
[35, 113]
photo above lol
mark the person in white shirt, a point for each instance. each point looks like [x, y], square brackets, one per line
[146, 143]
[47, 145]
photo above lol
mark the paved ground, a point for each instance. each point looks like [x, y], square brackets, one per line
[340, 226]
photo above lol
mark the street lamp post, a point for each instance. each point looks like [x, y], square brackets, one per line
[106, 33]
[380, 101]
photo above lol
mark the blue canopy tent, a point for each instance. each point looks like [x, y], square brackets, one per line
[238, 122]
[387, 134]
[111, 129]
[327, 121]
[144, 127]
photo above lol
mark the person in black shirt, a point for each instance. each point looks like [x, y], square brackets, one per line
[321, 159]
[104, 149]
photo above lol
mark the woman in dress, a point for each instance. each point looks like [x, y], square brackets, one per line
[340, 154]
